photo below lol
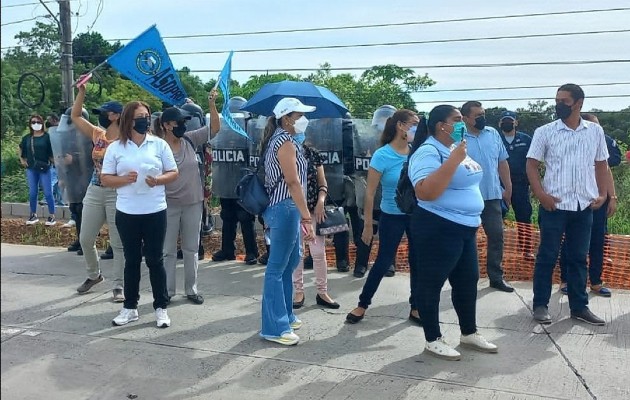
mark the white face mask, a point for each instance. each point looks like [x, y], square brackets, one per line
[37, 127]
[300, 124]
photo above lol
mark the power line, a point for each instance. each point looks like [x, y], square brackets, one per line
[25, 4]
[20, 21]
[345, 46]
[336, 28]
[425, 66]
[516, 87]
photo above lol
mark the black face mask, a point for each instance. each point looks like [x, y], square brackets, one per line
[507, 126]
[180, 129]
[480, 122]
[563, 111]
[141, 125]
[103, 120]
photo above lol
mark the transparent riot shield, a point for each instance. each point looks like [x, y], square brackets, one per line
[325, 135]
[256, 130]
[73, 159]
[230, 155]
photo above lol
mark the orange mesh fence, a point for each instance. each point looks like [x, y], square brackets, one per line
[520, 243]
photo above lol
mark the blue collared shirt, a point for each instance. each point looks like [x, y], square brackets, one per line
[488, 150]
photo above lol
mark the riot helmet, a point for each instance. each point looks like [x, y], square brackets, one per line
[380, 116]
[198, 117]
[234, 106]
[84, 114]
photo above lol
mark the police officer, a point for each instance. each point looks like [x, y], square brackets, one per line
[517, 145]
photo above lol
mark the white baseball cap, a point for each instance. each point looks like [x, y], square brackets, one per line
[288, 105]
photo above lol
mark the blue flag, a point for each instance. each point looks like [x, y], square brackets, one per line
[224, 84]
[145, 61]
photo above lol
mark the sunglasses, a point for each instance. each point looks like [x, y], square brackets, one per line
[36, 122]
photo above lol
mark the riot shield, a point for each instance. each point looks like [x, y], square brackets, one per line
[255, 130]
[73, 159]
[230, 155]
[325, 135]
[366, 139]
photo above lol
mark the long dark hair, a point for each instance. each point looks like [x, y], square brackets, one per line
[389, 132]
[126, 119]
[270, 128]
[426, 126]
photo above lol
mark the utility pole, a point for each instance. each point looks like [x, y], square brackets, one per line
[67, 72]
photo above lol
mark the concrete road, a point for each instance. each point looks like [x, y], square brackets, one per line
[59, 345]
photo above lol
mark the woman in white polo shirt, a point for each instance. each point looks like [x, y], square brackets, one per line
[138, 166]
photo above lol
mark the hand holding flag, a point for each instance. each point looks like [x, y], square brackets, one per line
[224, 83]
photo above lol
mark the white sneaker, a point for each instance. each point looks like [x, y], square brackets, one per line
[441, 349]
[161, 316]
[478, 342]
[126, 316]
[297, 324]
[287, 339]
[69, 224]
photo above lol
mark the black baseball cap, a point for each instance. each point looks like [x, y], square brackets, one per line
[110, 106]
[175, 114]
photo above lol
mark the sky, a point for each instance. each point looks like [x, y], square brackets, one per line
[442, 61]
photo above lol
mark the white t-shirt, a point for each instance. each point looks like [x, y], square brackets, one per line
[152, 158]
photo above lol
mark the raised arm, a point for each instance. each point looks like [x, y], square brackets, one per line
[85, 126]
[215, 122]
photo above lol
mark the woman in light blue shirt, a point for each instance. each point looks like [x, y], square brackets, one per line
[444, 228]
[385, 167]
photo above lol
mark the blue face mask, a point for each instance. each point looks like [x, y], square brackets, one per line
[299, 137]
[459, 129]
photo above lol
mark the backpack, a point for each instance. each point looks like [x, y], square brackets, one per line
[202, 170]
[405, 192]
[251, 192]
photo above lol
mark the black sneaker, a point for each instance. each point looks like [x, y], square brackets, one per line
[108, 255]
[391, 271]
[251, 259]
[342, 266]
[263, 259]
[359, 271]
[221, 256]
[587, 316]
[75, 246]
[80, 252]
[51, 221]
[502, 286]
[201, 253]
[195, 298]
[180, 254]
[32, 220]
[541, 315]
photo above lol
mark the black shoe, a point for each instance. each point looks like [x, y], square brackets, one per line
[414, 319]
[334, 305]
[251, 259]
[201, 253]
[391, 271]
[108, 255]
[75, 246]
[180, 254]
[221, 256]
[587, 316]
[359, 271]
[206, 229]
[168, 300]
[80, 252]
[263, 259]
[541, 315]
[308, 262]
[299, 304]
[502, 286]
[353, 319]
[342, 266]
[195, 298]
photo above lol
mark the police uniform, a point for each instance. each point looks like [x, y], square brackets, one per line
[517, 151]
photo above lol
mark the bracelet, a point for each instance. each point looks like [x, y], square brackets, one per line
[614, 197]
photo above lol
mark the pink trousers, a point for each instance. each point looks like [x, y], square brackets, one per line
[320, 267]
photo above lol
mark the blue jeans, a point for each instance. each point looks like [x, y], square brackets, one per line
[576, 228]
[35, 179]
[391, 229]
[283, 221]
[596, 248]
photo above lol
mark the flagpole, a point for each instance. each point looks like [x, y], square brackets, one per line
[89, 72]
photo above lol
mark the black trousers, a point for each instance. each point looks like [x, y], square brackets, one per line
[231, 214]
[143, 233]
[444, 250]
[76, 210]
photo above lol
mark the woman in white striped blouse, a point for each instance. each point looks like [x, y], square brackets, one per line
[286, 218]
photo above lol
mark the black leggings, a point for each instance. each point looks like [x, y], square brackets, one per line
[444, 250]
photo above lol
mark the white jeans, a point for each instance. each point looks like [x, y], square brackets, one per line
[184, 220]
[99, 206]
